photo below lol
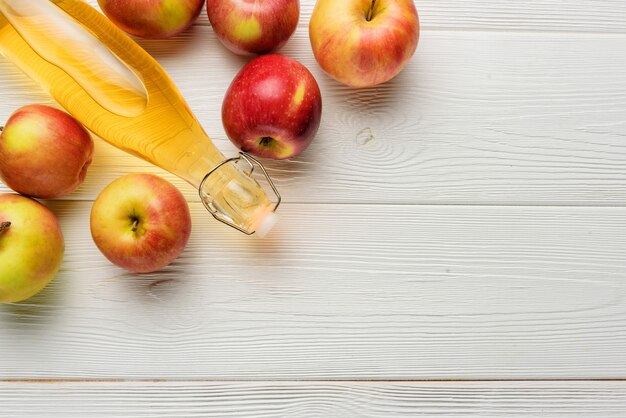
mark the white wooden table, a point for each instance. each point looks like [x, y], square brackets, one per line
[453, 243]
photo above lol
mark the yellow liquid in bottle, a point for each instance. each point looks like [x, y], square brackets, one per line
[119, 92]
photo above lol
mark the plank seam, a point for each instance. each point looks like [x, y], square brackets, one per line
[352, 380]
[426, 204]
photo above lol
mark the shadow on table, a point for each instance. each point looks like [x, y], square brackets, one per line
[39, 309]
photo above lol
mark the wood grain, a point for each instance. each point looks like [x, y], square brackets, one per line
[340, 291]
[512, 106]
[313, 399]
[592, 16]
[475, 118]
[516, 15]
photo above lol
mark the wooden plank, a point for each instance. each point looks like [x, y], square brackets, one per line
[313, 399]
[476, 118]
[340, 291]
[523, 15]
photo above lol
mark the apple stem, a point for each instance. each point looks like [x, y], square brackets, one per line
[4, 226]
[133, 227]
[370, 12]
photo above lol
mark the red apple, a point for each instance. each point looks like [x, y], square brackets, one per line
[363, 42]
[31, 247]
[273, 107]
[140, 222]
[157, 19]
[44, 152]
[253, 27]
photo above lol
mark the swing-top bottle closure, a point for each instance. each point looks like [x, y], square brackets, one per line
[269, 219]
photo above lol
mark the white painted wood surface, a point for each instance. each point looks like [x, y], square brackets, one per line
[314, 399]
[465, 221]
[475, 119]
[341, 291]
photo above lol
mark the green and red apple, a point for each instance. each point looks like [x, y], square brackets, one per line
[155, 19]
[253, 27]
[273, 107]
[363, 43]
[31, 247]
[140, 222]
[44, 152]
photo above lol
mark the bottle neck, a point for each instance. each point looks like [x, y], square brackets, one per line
[226, 186]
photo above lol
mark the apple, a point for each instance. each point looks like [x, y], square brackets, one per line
[140, 222]
[253, 27]
[31, 247]
[272, 108]
[154, 19]
[362, 43]
[44, 152]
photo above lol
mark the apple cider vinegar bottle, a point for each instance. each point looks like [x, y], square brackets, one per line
[120, 93]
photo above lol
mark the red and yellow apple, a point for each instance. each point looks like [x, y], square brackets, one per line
[31, 247]
[156, 19]
[272, 108]
[253, 27]
[44, 152]
[140, 222]
[362, 43]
